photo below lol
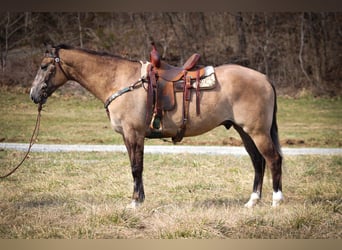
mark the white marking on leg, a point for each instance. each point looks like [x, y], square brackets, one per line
[277, 198]
[253, 200]
[133, 205]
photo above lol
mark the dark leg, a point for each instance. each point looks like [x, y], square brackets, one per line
[135, 150]
[274, 161]
[258, 163]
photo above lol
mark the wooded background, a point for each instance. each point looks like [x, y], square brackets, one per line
[297, 51]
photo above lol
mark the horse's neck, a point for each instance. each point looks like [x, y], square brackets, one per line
[100, 75]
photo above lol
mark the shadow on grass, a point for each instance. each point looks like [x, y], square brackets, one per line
[40, 202]
[219, 203]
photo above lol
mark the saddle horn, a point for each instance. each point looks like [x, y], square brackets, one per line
[154, 56]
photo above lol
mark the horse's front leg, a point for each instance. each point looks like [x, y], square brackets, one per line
[135, 148]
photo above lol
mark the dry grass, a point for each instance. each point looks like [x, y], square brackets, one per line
[84, 195]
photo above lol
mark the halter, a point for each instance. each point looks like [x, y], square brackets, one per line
[111, 98]
[57, 60]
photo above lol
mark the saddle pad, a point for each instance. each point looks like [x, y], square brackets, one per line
[208, 81]
[143, 70]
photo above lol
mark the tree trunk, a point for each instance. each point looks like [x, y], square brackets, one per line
[300, 55]
[266, 43]
[242, 46]
[4, 52]
[80, 29]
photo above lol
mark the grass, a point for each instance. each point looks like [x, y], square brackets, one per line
[84, 195]
[71, 119]
[310, 121]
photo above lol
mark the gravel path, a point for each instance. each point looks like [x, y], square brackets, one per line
[169, 149]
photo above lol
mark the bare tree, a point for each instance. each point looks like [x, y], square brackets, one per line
[80, 28]
[296, 49]
[242, 45]
[300, 55]
[10, 25]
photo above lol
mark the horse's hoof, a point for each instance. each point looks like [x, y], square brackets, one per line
[253, 200]
[278, 198]
[133, 205]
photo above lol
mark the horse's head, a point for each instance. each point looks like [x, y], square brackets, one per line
[49, 77]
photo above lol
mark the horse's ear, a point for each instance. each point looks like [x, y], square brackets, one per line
[48, 48]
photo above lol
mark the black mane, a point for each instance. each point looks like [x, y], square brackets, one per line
[93, 52]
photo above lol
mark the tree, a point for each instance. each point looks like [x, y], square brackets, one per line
[10, 25]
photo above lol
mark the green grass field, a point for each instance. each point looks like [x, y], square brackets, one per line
[84, 195]
[69, 119]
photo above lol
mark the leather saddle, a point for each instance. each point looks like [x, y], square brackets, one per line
[173, 74]
[163, 81]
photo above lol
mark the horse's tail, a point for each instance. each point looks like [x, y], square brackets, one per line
[274, 127]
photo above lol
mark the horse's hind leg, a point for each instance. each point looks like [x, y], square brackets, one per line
[273, 159]
[258, 164]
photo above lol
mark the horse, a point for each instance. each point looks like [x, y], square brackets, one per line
[243, 99]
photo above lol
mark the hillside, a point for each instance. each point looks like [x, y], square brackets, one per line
[297, 51]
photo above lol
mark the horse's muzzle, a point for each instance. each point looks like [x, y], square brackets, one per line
[39, 94]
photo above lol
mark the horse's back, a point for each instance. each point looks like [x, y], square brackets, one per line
[242, 79]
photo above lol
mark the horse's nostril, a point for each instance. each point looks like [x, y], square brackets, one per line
[34, 99]
[31, 94]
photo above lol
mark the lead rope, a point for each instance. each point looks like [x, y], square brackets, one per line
[32, 141]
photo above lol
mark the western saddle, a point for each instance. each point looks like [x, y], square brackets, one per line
[163, 81]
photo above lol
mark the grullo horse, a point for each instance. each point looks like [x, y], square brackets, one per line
[243, 99]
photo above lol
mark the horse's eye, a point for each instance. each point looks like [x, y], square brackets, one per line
[43, 67]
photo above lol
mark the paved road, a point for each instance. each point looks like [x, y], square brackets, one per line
[169, 149]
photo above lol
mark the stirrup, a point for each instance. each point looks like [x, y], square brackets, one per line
[156, 123]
